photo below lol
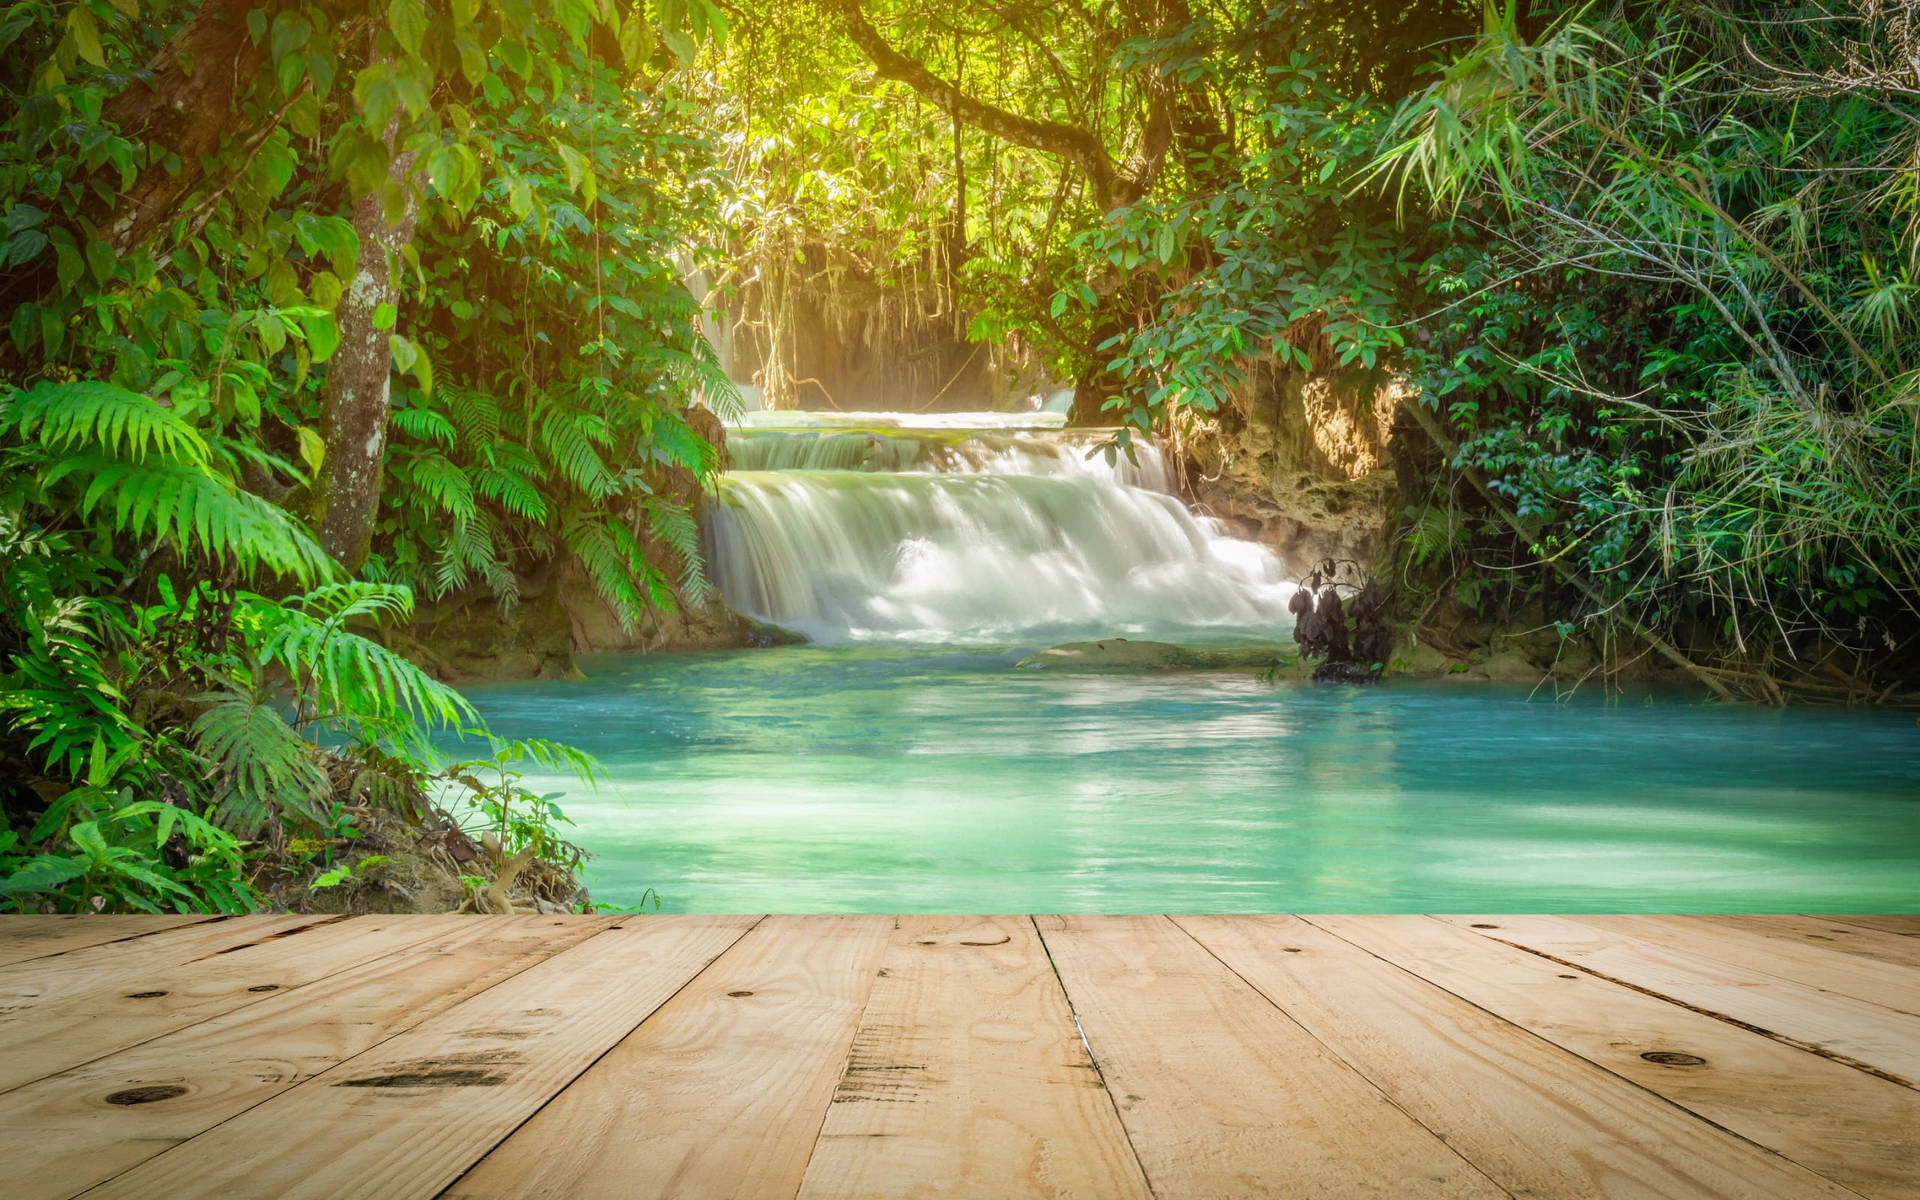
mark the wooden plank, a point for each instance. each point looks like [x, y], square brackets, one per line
[1884, 984]
[718, 1093]
[1843, 1124]
[1838, 1026]
[70, 1021]
[27, 936]
[70, 1131]
[1537, 1119]
[1905, 924]
[1220, 1092]
[29, 984]
[408, 1117]
[1832, 935]
[969, 1078]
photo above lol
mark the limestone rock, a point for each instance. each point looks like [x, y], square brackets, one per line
[1121, 656]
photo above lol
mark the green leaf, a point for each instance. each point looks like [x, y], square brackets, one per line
[288, 72]
[86, 34]
[576, 17]
[383, 315]
[70, 267]
[403, 351]
[88, 837]
[408, 21]
[43, 873]
[374, 92]
[313, 449]
[323, 335]
[291, 29]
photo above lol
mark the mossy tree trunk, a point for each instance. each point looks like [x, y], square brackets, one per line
[360, 374]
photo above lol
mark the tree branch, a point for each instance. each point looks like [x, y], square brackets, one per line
[1111, 189]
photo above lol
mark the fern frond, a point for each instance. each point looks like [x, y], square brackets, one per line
[352, 678]
[201, 512]
[88, 413]
[554, 756]
[444, 484]
[674, 525]
[569, 445]
[475, 414]
[675, 444]
[340, 602]
[265, 766]
[424, 425]
[614, 560]
[513, 492]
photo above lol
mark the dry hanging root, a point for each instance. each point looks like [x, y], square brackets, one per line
[493, 898]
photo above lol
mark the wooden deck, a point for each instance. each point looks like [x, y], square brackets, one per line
[1128, 1056]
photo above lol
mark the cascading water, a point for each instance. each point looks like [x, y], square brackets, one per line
[977, 527]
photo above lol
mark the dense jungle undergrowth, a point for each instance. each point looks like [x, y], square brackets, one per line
[1639, 278]
[316, 311]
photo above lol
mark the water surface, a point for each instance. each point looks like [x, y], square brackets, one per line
[919, 779]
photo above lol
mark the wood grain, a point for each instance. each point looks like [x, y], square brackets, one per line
[1831, 935]
[69, 1019]
[26, 936]
[1539, 1120]
[721, 1091]
[35, 983]
[1885, 984]
[1840, 1026]
[70, 1131]
[1840, 1123]
[411, 1115]
[1221, 1093]
[970, 1073]
[1905, 924]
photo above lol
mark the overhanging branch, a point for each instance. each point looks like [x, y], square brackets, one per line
[1111, 189]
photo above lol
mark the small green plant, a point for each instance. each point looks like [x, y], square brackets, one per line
[646, 896]
[99, 851]
[347, 872]
[497, 803]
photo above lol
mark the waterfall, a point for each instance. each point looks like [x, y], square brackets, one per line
[972, 452]
[972, 527]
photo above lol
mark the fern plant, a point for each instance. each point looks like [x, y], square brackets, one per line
[534, 449]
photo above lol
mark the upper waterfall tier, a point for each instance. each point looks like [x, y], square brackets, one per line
[849, 555]
[797, 418]
[971, 451]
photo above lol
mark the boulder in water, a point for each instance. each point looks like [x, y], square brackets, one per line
[1120, 655]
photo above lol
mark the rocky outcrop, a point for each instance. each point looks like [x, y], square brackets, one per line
[1299, 461]
[1121, 656]
[470, 639]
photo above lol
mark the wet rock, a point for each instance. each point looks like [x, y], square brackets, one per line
[1122, 655]
[765, 634]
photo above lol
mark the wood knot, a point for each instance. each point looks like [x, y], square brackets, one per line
[143, 995]
[1674, 1058]
[146, 1095]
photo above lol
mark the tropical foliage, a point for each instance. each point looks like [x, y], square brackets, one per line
[1647, 273]
[1678, 359]
[462, 222]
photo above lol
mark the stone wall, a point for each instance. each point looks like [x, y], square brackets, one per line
[1299, 461]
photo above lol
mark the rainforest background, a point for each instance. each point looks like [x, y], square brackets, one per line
[319, 314]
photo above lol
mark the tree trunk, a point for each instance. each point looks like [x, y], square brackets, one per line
[359, 376]
[186, 109]
[183, 103]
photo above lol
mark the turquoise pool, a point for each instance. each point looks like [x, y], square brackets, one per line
[895, 778]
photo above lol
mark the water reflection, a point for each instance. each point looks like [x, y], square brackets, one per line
[917, 779]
